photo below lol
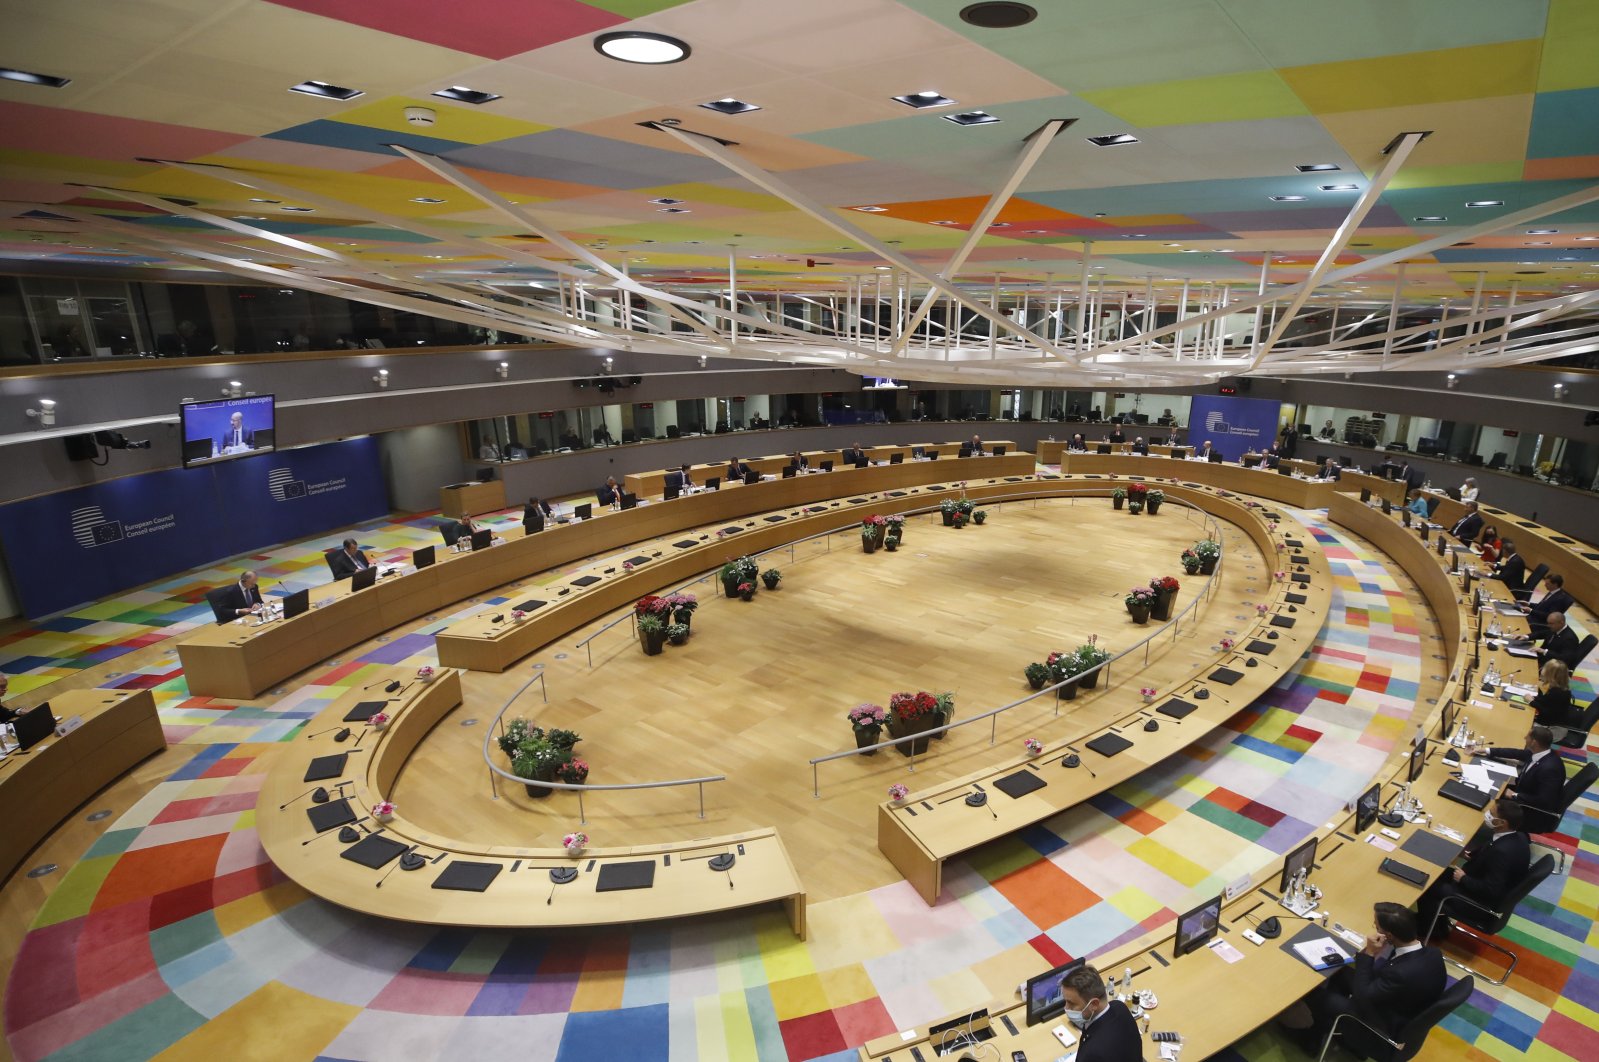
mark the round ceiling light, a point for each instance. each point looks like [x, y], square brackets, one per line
[998, 14]
[634, 47]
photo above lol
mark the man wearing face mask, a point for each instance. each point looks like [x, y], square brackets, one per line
[1539, 783]
[1497, 857]
[1107, 1028]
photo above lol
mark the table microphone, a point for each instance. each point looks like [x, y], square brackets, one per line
[308, 792]
[389, 871]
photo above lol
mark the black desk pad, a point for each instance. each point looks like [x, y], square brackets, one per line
[1177, 708]
[1298, 558]
[685, 544]
[374, 850]
[1013, 479]
[1293, 543]
[1019, 784]
[858, 501]
[364, 711]
[731, 530]
[327, 816]
[896, 494]
[1258, 646]
[614, 877]
[529, 605]
[1431, 848]
[1226, 676]
[1562, 541]
[585, 580]
[1296, 599]
[1299, 577]
[325, 767]
[1313, 932]
[1283, 621]
[636, 561]
[465, 876]
[774, 519]
[1108, 745]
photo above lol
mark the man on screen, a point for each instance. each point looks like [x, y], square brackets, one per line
[238, 437]
[348, 560]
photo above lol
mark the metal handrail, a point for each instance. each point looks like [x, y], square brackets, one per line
[582, 819]
[993, 714]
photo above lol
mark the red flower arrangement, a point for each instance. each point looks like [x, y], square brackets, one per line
[1166, 584]
[912, 705]
[1137, 490]
[651, 605]
[874, 521]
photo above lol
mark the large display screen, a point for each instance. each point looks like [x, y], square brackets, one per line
[228, 428]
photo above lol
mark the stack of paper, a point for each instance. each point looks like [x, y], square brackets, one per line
[1313, 950]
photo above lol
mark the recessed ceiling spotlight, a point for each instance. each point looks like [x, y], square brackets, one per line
[946, 223]
[666, 200]
[1190, 250]
[1542, 232]
[248, 217]
[462, 94]
[1035, 232]
[728, 105]
[1338, 187]
[1537, 243]
[1287, 198]
[426, 199]
[1317, 167]
[301, 210]
[258, 199]
[326, 91]
[998, 14]
[1587, 239]
[27, 77]
[1172, 245]
[1432, 217]
[1000, 225]
[885, 268]
[1113, 140]
[871, 209]
[1135, 236]
[924, 98]
[1567, 258]
[972, 118]
[675, 210]
[1486, 203]
[632, 46]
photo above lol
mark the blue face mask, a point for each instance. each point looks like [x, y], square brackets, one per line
[1079, 1018]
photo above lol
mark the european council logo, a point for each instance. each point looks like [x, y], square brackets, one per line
[91, 528]
[282, 485]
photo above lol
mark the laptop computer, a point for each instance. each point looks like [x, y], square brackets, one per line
[1179, 453]
[999, 451]
[896, 459]
[863, 462]
[789, 471]
[751, 477]
[584, 511]
[33, 727]
[965, 451]
[482, 539]
[359, 581]
[672, 491]
[423, 557]
[932, 455]
[714, 483]
[299, 601]
[1217, 459]
[1103, 448]
[629, 501]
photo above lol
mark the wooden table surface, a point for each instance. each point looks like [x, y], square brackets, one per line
[652, 484]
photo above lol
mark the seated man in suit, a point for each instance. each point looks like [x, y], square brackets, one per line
[1271, 458]
[7, 715]
[347, 560]
[1538, 784]
[1202, 453]
[1469, 526]
[1560, 642]
[1116, 435]
[679, 479]
[1330, 470]
[1496, 859]
[609, 494]
[976, 445]
[1384, 995]
[456, 530]
[1140, 446]
[1077, 443]
[1555, 599]
[1107, 1030]
[854, 455]
[798, 462]
[735, 471]
[243, 597]
[534, 513]
[1412, 475]
[1511, 569]
[237, 438]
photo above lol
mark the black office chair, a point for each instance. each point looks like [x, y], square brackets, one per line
[1575, 786]
[327, 555]
[1470, 913]
[215, 599]
[1584, 647]
[1576, 737]
[1432, 506]
[451, 530]
[1534, 580]
[629, 436]
[1498, 460]
[1415, 1032]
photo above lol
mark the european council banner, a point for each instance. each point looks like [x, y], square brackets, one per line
[82, 545]
[1233, 426]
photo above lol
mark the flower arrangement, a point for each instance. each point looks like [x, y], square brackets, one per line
[1165, 584]
[424, 674]
[1063, 666]
[1119, 493]
[1147, 692]
[650, 605]
[878, 523]
[575, 842]
[650, 623]
[677, 633]
[572, 772]
[746, 590]
[516, 732]
[1037, 675]
[627, 566]
[383, 810]
[1090, 654]
[1281, 547]
[1272, 526]
[721, 534]
[1140, 597]
[1261, 610]
[1191, 562]
[1156, 495]
[1279, 576]
[949, 505]
[1207, 549]
[897, 793]
[517, 615]
[378, 720]
[896, 524]
[1138, 491]
[1033, 746]
[1226, 644]
[979, 516]
[867, 718]
[906, 706]
[771, 577]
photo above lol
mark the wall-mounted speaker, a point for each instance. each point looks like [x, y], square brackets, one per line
[82, 447]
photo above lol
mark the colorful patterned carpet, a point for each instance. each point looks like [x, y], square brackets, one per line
[174, 938]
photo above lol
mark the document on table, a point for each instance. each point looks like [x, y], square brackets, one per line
[1314, 950]
[1225, 950]
[1526, 654]
[1477, 776]
[1518, 690]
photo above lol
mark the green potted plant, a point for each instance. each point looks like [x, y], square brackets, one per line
[1191, 562]
[867, 721]
[945, 711]
[1037, 675]
[1153, 499]
[516, 732]
[1135, 497]
[563, 739]
[537, 759]
[1165, 588]
[1118, 497]
[677, 633]
[771, 577]
[979, 516]
[731, 575]
[947, 509]
[871, 534]
[683, 606]
[1062, 668]
[1090, 656]
[1209, 552]
[1139, 600]
[891, 542]
[896, 526]
[652, 634]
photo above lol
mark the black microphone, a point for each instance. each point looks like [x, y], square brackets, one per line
[357, 822]
[389, 871]
[308, 792]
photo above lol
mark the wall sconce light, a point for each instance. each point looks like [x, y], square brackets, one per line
[504, 370]
[608, 363]
[46, 411]
[382, 378]
[1560, 392]
[234, 389]
[703, 360]
[1451, 380]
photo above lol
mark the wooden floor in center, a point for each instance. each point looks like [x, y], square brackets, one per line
[764, 686]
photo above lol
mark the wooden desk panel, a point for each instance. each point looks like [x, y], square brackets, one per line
[653, 484]
[472, 499]
[1300, 493]
[41, 788]
[1352, 482]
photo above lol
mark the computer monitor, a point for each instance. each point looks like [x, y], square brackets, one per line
[1418, 761]
[482, 539]
[894, 459]
[421, 558]
[789, 471]
[629, 501]
[714, 483]
[1301, 858]
[1045, 995]
[1366, 808]
[584, 511]
[1282, 470]
[1404, 516]
[367, 576]
[1216, 458]
[672, 491]
[34, 726]
[210, 433]
[751, 477]
[602, 496]
[1103, 448]
[1179, 453]
[1198, 926]
[864, 462]
[932, 455]
[1250, 460]
[1446, 718]
[999, 451]
[1387, 507]
[965, 451]
[298, 602]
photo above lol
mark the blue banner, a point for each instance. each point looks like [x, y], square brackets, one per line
[1233, 426]
[81, 545]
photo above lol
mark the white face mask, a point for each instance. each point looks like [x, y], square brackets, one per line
[1489, 821]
